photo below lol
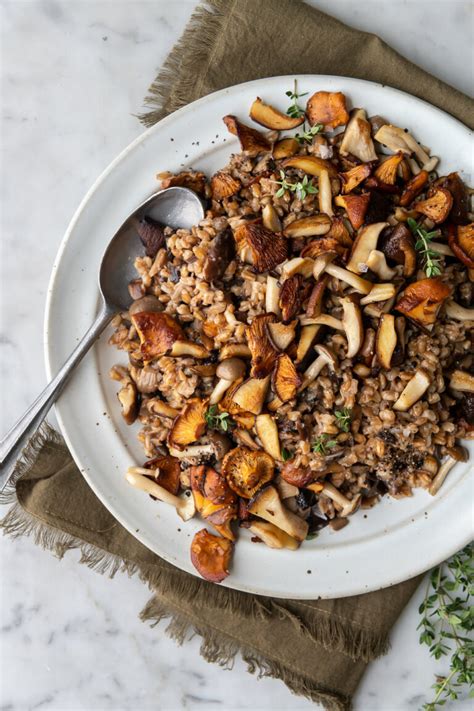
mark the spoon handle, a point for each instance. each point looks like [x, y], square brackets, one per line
[13, 443]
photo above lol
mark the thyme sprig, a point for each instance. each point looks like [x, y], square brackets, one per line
[431, 258]
[447, 623]
[322, 444]
[301, 188]
[307, 136]
[295, 110]
[218, 420]
[343, 418]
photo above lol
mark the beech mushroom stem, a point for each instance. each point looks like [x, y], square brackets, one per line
[443, 472]
[139, 478]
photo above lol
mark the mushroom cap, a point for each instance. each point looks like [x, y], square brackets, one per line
[231, 369]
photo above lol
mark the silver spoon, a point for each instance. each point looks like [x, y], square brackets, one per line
[176, 207]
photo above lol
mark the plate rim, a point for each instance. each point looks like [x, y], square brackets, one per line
[351, 588]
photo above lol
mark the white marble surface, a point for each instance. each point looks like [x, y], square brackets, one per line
[72, 74]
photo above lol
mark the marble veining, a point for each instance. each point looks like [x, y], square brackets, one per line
[72, 75]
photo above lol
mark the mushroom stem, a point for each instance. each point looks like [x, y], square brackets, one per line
[197, 450]
[454, 310]
[323, 320]
[325, 194]
[443, 472]
[414, 389]
[348, 506]
[138, 477]
[219, 391]
[272, 296]
[353, 326]
[377, 263]
[379, 292]
[325, 357]
[359, 284]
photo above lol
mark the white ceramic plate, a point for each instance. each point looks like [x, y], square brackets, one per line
[392, 542]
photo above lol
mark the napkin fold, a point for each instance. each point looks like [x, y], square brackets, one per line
[318, 648]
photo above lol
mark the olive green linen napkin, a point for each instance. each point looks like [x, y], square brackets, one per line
[319, 648]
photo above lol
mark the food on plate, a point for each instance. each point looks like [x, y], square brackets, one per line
[308, 347]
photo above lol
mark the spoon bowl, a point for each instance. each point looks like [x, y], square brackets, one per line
[174, 207]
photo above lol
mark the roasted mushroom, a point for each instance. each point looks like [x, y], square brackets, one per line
[365, 243]
[267, 432]
[282, 334]
[361, 285]
[252, 141]
[268, 116]
[292, 295]
[328, 108]
[273, 536]
[413, 391]
[211, 556]
[398, 245]
[214, 499]
[272, 296]
[264, 353]
[437, 205]
[325, 357]
[246, 470]
[397, 139]
[145, 303]
[165, 471]
[152, 235]
[190, 424]
[461, 241]
[386, 340]
[357, 139]
[285, 148]
[422, 300]
[459, 214]
[228, 371]
[157, 331]
[353, 326]
[266, 504]
[297, 475]
[130, 402]
[315, 301]
[139, 477]
[250, 395]
[285, 379]
[270, 218]
[219, 255]
[263, 249]
[192, 179]
[311, 165]
[308, 226]
[356, 207]
[223, 185]
[351, 178]
[387, 171]
[413, 188]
